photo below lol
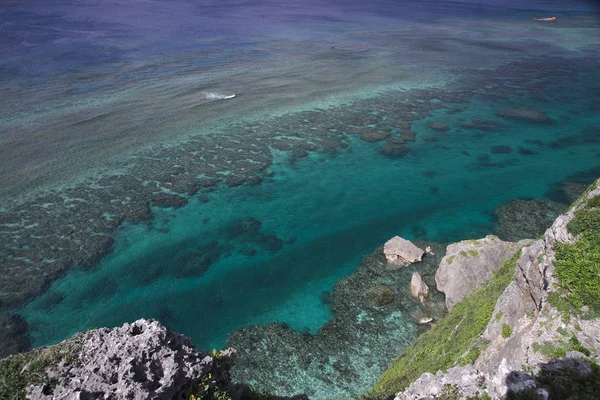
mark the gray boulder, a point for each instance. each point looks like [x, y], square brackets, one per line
[469, 263]
[400, 252]
[142, 360]
[418, 288]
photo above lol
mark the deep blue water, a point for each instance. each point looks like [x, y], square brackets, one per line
[150, 73]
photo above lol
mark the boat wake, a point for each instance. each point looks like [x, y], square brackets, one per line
[218, 96]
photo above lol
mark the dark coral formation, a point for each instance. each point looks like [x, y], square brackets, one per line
[483, 125]
[372, 311]
[524, 219]
[13, 334]
[525, 114]
[249, 230]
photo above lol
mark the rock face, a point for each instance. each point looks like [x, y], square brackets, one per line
[418, 288]
[400, 252]
[142, 360]
[538, 331]
[469, 263]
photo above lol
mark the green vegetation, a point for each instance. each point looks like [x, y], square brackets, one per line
[19, 371]
[550, 350]
[553, 351]
[578, 264]
[586, 219]
[450, 259]
[562, 331]
[473, 253]
[506, 331]
[452, 340]
[499, 316]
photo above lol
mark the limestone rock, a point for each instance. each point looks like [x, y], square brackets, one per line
[418, 288]
[399, 252]
[469, 263]
[142, 360]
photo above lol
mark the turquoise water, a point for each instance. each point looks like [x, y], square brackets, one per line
[262, 202]
[328, 211]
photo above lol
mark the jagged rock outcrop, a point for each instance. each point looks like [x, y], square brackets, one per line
[141, 360]
[400, 252]
[418, 288]
[526, 331]
[469, 263]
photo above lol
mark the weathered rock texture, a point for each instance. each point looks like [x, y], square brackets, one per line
[399, 252]
[418, 288]
[469, 263]
[534, 322]
[142, 360]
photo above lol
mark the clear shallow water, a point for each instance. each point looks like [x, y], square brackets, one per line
[129, 83]
[328, 210]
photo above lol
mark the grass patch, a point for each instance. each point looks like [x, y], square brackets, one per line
[450, 259]
[552, 351]
[506, 331]
[473, 253]
[578, 270]
[451, 340]
[586, 219]
[578, 264]
[19, 371]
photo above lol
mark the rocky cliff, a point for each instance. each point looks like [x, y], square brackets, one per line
[138, 361]
[543, 338]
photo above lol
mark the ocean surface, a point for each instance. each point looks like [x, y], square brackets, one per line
[221, 164]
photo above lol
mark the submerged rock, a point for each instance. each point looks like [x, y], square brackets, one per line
[380, 295]
[394, 148]
[469, 263]
[373, 136]
[399, 252]
[14, 337]
[525, 114]
[483, 125]
[438, 126]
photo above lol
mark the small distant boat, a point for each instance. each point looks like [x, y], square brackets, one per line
[547, 19]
